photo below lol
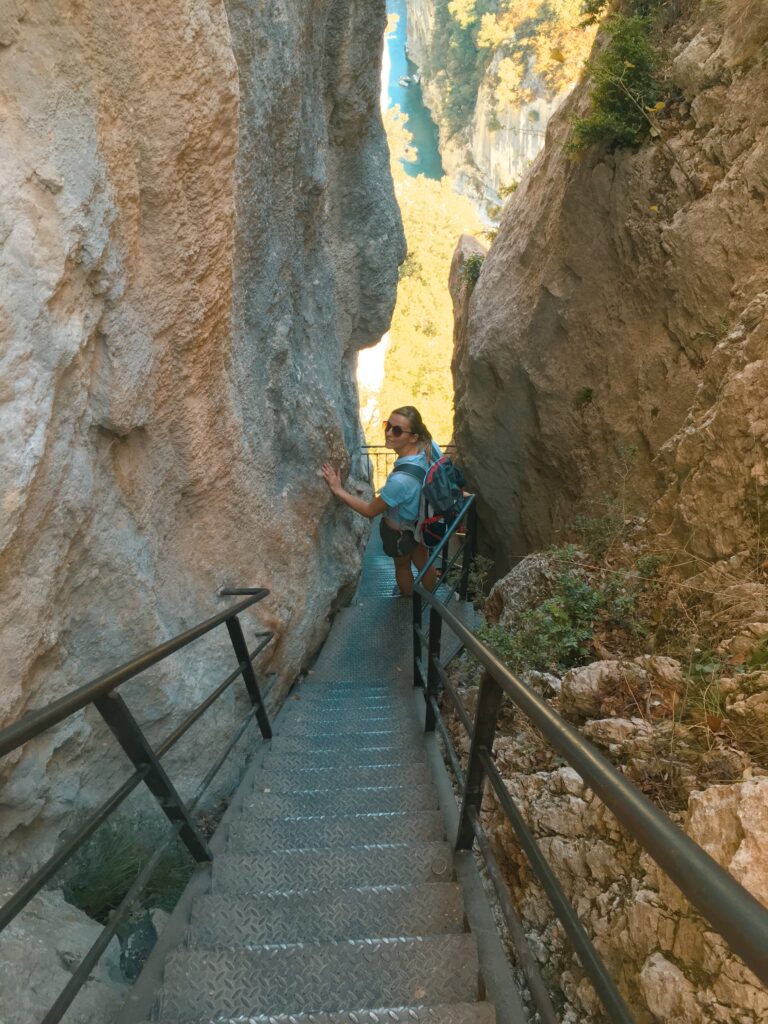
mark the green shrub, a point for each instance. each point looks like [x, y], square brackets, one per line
[624, 87]
[648, 566]
[593, 10]
[470, 270]
[558, 633]
[508, 190]
[598, 533]
[758, 659]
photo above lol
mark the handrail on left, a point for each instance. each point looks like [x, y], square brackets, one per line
[102, 693]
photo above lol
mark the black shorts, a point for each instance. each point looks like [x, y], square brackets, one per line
[397, 543]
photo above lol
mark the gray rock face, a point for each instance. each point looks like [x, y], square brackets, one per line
[607, 289]
[197, 232]
[41, 949]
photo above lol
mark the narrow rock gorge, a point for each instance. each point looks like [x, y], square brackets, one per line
[197, 233]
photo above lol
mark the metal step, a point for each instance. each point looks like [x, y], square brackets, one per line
[328, 802]
[320, 702]
[332, 868]
[343, 741]
[351, 830]
[319, 698]
[380, 754]
[354, 720]
[331, 978]
[456, 1013]
[287, 780]
[333, 915]
[351, 687]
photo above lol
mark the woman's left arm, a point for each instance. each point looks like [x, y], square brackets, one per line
[369, 509]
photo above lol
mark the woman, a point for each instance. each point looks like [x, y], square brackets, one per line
[407, 436]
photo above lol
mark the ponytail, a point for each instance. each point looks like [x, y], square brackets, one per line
[418, 427]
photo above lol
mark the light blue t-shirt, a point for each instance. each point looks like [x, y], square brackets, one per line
[402, 492]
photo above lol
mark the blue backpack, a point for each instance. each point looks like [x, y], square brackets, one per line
[441, 498]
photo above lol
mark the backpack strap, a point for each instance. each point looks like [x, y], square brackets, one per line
[415, 471]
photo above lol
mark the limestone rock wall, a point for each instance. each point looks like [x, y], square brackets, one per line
[197, 232]
[719, 458]
[608, 288]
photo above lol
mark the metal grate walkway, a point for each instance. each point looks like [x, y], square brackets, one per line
[334, 897]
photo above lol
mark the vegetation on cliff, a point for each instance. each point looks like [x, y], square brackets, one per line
[526, 47]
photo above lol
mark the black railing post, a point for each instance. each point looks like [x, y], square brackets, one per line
[249, 676]
[433, 678]
[488, 705]
[128, 734]
[417, 680]
[469, 551]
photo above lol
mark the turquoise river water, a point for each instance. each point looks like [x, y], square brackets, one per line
[408, 98]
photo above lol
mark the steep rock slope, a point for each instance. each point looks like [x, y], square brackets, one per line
[197, 231]
[610, 284]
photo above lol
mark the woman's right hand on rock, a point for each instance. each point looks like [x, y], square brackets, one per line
[331, 477]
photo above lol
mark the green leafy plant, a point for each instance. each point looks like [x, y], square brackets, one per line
[479, 572]
[759, 657]
[470, 270]
[558, 633]
[648, 566]
[505, 191]
[625, 89]
[597, 533]
[593, 10]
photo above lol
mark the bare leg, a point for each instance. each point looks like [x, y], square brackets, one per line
[403, 575]
[420, 556]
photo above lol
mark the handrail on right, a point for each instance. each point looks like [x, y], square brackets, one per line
[733, 912]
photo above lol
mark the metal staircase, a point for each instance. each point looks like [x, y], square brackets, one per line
[330, 892]
[334, 895]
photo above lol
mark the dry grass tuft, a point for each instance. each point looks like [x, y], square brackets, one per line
[747, 24]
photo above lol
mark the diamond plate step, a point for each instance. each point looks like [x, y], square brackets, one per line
[332, 868]
[353, 687]
[364, 757]
[456, 1013]
[344, 722]
[286, 780]
[325, 802]
[331, 978]
[245, 834]
[334, 915]
[318, 698]
[342, 741]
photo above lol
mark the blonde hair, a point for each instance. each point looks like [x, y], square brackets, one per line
[418, 427]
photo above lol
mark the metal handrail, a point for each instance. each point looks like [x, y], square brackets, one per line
[734, 913]
[379, 453]
[102, 693]
[35, 722]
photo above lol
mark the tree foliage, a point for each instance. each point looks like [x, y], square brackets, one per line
[541, 42]
[625, 89]
[530, 45]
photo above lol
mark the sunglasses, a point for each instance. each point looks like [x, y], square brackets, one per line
[392, 428]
